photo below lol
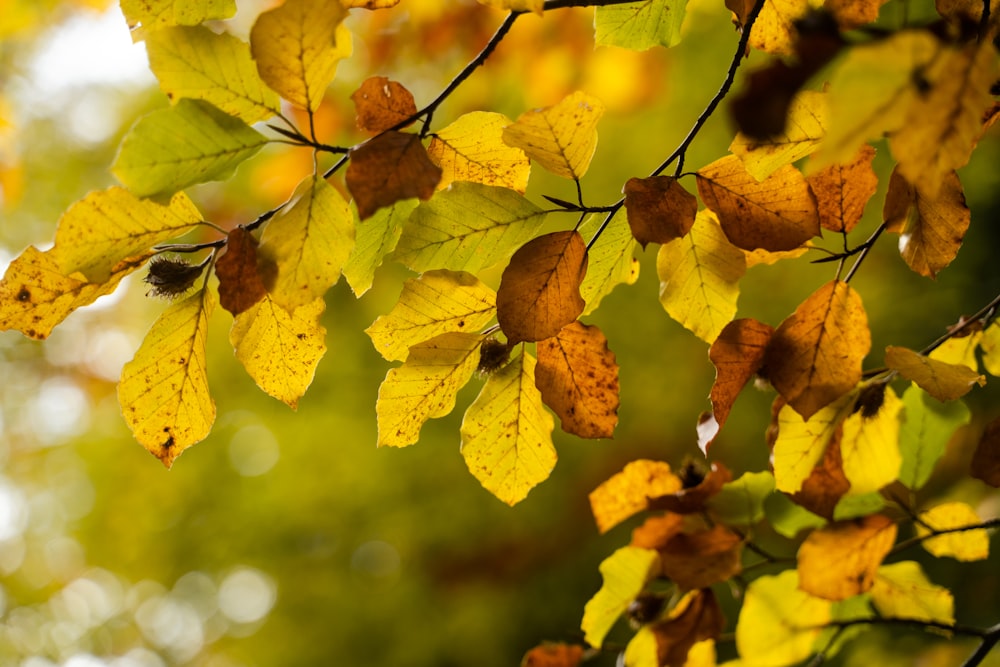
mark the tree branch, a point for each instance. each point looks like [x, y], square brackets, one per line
[989, 640]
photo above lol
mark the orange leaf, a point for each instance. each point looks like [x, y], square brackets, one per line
[539, 291]
[692, 499]
[840, 560]
[698, 560]
[240, 282]
[986, 459]
[390, 167]
[842, 190]
[578, 378]
[778, 213]
[381, 104]
[737, 354]
[942, 380]
[553, 655]
[656, 531]
[815, 355]
[826, 484]
[628, 492]
[696, 617]
[659, 209]
[931, 231]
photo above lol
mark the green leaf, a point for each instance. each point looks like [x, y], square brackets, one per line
[198, 63]
[611, 261]
[192, 142]
[926, 428]
[625, 573]
[155, 14]
[374, 239]
[853, 506]
[640, 25]
[741, 502]
[467, 227]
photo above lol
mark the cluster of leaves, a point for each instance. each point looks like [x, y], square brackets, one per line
[449, 204]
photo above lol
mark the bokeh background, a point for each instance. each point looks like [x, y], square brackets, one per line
[290, 539]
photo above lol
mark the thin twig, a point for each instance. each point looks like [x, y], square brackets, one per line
[989, 640]
[865, 249]
[935, 532]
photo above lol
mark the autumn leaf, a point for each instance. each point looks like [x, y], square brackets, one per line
[280, 349]
[381, 104]
[805, 125]
[297, 46]
[692, 497]
[902, 590]
[197, 63]
[472, 149]
[36, 295]
[869, 445]
[468, 227]
[697, 617]
[815, 354]
[943, 381]
[737, 354]
[562, 138]
[926, 428]
[374, 240]
[801, 443]
[963, 545]
[699, 278]
[241, 284]
[163, 391]
[985, 463]
[778, 213]
[826, 484]
[741, 501]
[628, 492]
[960, 350]
[425, 386]
[155, 14]
[611, 261]
[388, 168]
[107, 226]
[840, 561]
[699, 559]
[536, 6]
[309, 243]
[625, 573]
[931, 231]
[553, 655]
[507, 433]
[639, 25]
[659, 209]
[989, 345]
[578, 378]
[436, 302]
[842, 191]
[192, 142]
[539, 291]
[774, 31]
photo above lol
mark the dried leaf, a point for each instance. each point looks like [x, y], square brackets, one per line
[472, 149]
[241, 285]
[826, 483]
[842, 191]
[965, 545]
[625, 573]
[840, 561]
[659, 209]
[697, 617]
[692, 498]
[628, 492]
[943, 381]
[737, 355]
[779, 622]
[388, 168]
[562, 138]
[700, 559]
[381, 104]
[986, 459]
[553, 655]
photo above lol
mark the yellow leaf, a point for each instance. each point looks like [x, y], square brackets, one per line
[801, 443]
[839, 561]
[869, 446]
[699, 278]
[106, 226]
[902, 590]
[309, 243]
[562, 138]
[959, 350]
[154, 14]
[774, 31]
[943, 381]
[163, 391]
[278, 349]
[804, 130]
[507, 433]
[435, 303]
[297, 47]
[472, 149]
[369, 4]
[625, 573]
[964, 545]
[536, 6]
[611, 261]
[779, 622]
[35, 295]
[628, 492]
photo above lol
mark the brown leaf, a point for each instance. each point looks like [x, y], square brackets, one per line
[578, 378]
[390, 167]
[656, 531]
[778, 213]
[826, 485]
[986, 459]
[815, 355]
[240, 282]
[851, 14]
[659, 209]
[691, 500]
[627, 492]
[696, 617]
[931, 231]
[539, 291]
[698, 560]
[737, 354]
[942, 380]
[842, 190]
[840, 560]
[381, 104]
[553, 655]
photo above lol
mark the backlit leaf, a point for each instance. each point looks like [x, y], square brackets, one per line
[801, 443]
[154, 14]
[278, 349]
[924, 433]
[309, 243]
[578, 378]
[539, 291]
[826, 484]
[840, 561]
[985, 463]
[960, 349]
[425, 386]
[697, 617]
[625, 574]
[198, 63]
[779, 622]
[943, 381]
[815, 354]
[741, 502]
[536, 6]
[805, 126]
[989, 344]
[737, 355]
[553, 655]
[562, 138]
[966, 545]
[778, 213]
[639, 25]
[931, 231]
[192, 142]
[374, 239]
[699, 559]
[467, 227]
[842, 191]
[381, 104]
[774, 31]
[869, 446]
[437, 302]
[297, 46]
[902, 590]
[692, 498]
[699, 278]
[507, 433]
[241, 284]
[659, 209]
[388, 168]
[35, 294]
[611, 262]
[163, 391]
[106, 226]
[628, 492]
[472, 149]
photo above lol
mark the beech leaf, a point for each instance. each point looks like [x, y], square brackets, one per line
[374, 241]
[628, 492]
[965, 545]
[842, 191]
[639, 25]
[869, 445]
[611, 261]
[697, 617]
[388, 168]
[926, 428]
[241, 284]
[903, 590]
[155, 14]
[562, 138]
[943, 381]
[779, 622]
[737, 355]
[699, 559]
[659, 209]
[741, 501]
[840, 560]
[381, 104]
[625, 573]
[826, 484]
[801, 443]
[774, 31]
[472, 149]
[805, 126]
[553, 655]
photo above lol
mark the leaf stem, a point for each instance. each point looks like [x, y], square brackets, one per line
[864, 249]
